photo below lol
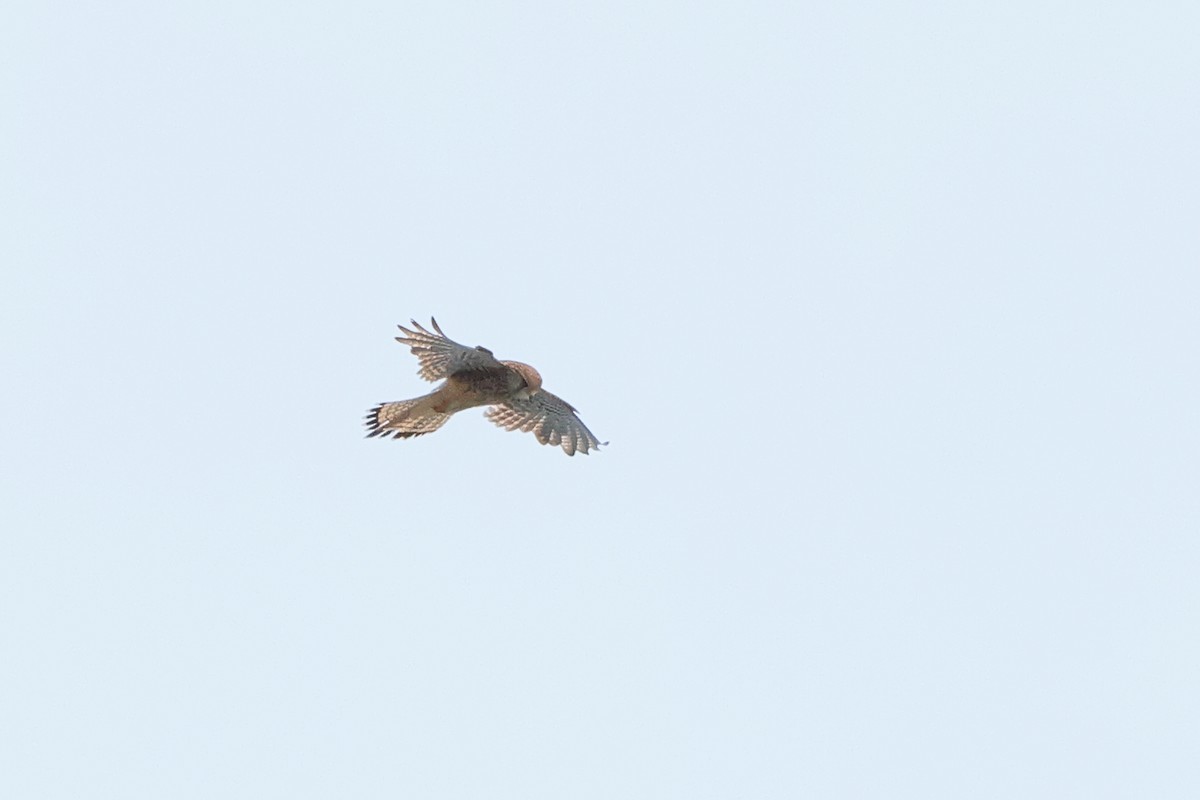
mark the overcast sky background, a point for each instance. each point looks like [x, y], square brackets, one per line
[888, 310]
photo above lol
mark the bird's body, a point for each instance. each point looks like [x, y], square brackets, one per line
[474, 377]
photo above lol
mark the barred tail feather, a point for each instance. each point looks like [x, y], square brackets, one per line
[404, 418]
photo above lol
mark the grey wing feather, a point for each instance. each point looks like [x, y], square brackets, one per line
[441, 357]
[548, 417]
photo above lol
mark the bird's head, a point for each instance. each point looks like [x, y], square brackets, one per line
[530, 379]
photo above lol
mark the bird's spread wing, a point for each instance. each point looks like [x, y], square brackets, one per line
[441, 357]
[548, 417]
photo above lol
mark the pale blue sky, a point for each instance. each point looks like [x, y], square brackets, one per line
[888, 310]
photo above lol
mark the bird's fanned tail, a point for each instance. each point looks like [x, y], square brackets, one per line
[404, 419]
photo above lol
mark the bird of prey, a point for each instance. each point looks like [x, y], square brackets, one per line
[474, 377]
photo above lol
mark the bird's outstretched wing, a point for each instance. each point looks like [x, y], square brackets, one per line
[548, 417]
[441, 357]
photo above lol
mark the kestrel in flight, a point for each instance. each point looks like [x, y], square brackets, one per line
[474, 377]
